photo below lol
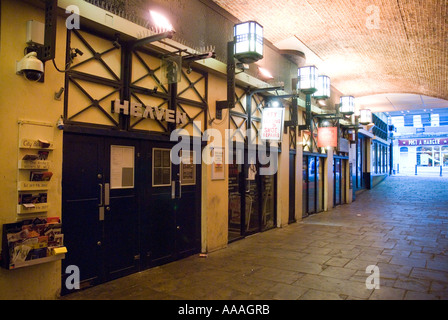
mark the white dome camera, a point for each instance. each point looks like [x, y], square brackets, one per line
[31, 67]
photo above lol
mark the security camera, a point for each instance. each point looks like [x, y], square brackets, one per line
[30, 66]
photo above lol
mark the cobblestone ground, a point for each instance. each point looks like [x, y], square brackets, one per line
[400, 226]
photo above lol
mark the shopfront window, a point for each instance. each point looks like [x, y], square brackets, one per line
[359, 163]
[268, 204]
[251, 199]
[425, 157]
[374, 157]
[313, 185]
[320, 184]
[445, 156]
[436, 156]
[234, 201]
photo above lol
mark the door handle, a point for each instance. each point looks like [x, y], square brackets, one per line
[180, 188]
[101, 195]
[101, 217]
[107, 194]
[173, 190]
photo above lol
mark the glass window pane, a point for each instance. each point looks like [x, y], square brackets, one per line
[234, 201]
[311, 184]
[268, 204]
[161, 167]
[305, 186]
[320, 179]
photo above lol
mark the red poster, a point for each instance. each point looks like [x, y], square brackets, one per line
[327, 137]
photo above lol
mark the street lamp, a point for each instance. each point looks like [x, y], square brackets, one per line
[307, 81]
[248, 42]
[323, 88]
[347, 105]
[247, 47]
[365, 117]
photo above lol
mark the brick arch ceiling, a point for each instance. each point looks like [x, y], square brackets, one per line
[366, 46]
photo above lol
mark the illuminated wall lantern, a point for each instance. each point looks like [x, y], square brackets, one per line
[323, 88]
[248, 42]
[307, 81]
[347, 105]
[365, 117]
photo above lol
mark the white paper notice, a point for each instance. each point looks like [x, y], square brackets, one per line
[121, 167]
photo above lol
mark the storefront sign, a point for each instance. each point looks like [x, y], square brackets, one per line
[423, 142]
[147, 112]
[327, 137]
[272, 124]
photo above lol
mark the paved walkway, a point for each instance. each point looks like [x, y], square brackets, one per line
[401, 226]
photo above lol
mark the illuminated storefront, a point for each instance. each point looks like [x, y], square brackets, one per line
[423, 152]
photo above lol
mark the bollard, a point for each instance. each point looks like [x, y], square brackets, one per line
[416, 169]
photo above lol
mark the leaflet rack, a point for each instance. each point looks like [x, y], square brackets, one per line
[31, 242]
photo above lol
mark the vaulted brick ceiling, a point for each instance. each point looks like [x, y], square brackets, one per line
[367, 47]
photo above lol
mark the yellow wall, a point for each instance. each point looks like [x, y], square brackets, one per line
[21, 99]
[215, 192]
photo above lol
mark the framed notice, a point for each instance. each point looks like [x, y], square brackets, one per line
[218, 171]
[327, 137]
[188, 168]
[122, 167]
[272, 124]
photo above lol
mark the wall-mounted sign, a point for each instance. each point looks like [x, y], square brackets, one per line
[188, 168]
[218, 164]
[147, 112]
[272, 124]
[423, 142]
[327, 137]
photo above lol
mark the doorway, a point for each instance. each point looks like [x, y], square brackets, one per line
[252, 199]
[125, 206]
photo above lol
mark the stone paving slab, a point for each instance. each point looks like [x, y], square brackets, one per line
[399, 227]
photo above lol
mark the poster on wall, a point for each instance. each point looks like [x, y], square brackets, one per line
[122, 167]
[272, 124]
[187, 168]
[218, 164]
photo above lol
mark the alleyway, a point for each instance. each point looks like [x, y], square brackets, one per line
[401, 226]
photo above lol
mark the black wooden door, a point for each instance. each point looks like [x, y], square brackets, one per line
[99, 206]
[121, 211]
[81, 197]
[170, 215]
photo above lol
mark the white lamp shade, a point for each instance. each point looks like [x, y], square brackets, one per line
[307, 81]
[323, 88]
[248, 41]
[347, 105]
[365, 116]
